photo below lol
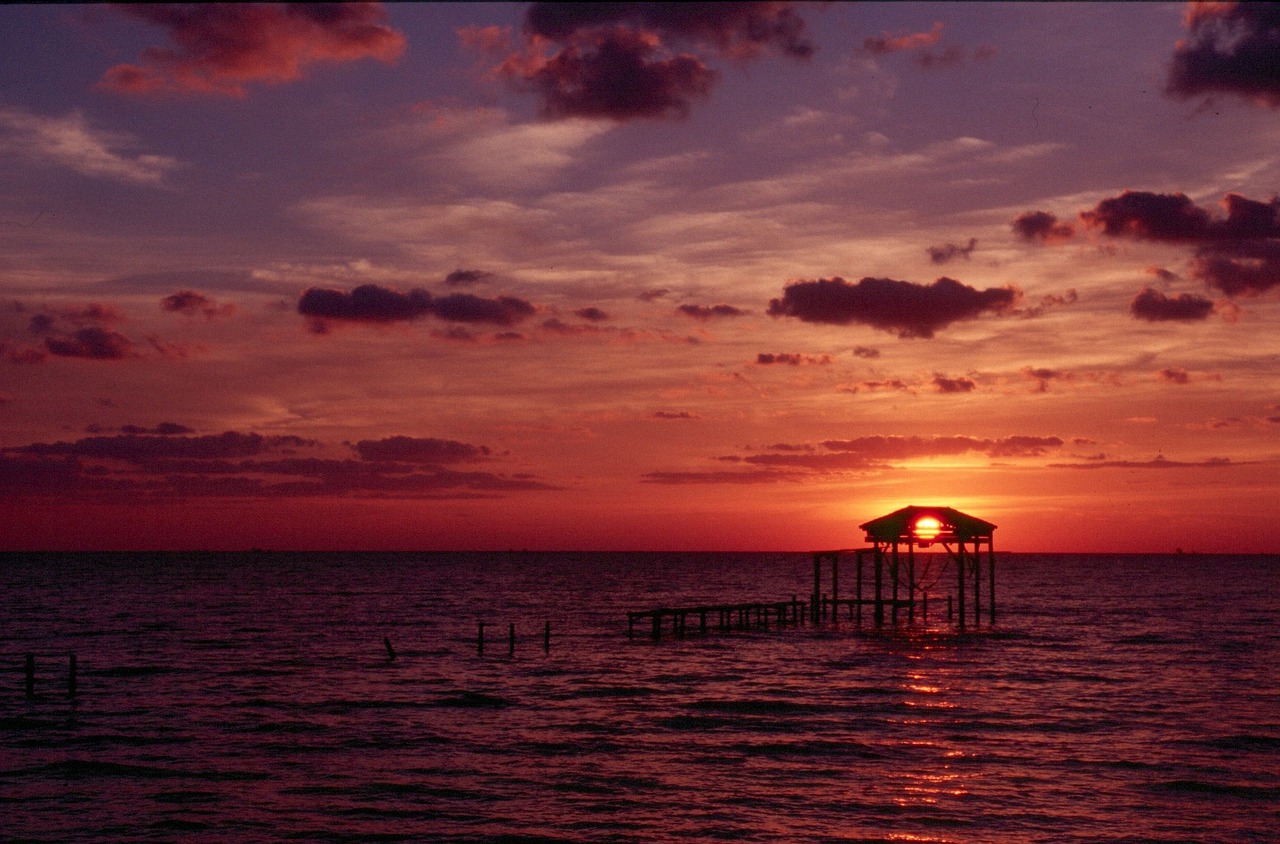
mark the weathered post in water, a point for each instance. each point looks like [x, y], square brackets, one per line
[835, 587]
[71, 675]
[977, 585]
[879, 593]
[511, 639]
[480, 639]
[991, 579]
[893, 568]
[858, 592]
[817, 587]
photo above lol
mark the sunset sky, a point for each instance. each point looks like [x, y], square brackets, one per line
[638, 276]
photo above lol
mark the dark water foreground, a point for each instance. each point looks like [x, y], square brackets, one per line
[250, 698]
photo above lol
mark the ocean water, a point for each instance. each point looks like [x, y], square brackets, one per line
[250, 697]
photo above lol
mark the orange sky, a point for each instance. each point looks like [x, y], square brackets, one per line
[503, 276]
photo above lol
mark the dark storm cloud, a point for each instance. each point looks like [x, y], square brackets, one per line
[706, 312]
[758, 476]
[366, 303]
[1154, 306]
[1238, 252]
[461, 277]
[140, 448]
[220, 47]
[419, 450]
[1244, 268]
[1233, 48]
[371, 303]
[792, 359]
[900, 448]
[950, 251]
[41, 324]
[616, 61]
[591, 314]
[733, 29]
[953, 385]
[192, 302]
[164, 429]
[814, 462]
[1157, 463]
[617, 74]
[165, 464]
[92, 343]
[1042, 226]
[1173, 217]
[901, 307]
[463, 307]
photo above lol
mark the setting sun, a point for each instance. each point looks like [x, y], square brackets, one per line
[927, 528]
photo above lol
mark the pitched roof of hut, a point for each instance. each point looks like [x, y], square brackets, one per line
[899, 526]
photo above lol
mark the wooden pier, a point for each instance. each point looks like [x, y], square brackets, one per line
[739, 616]
[890, 565]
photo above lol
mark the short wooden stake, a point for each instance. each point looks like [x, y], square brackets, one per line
[386, 641]
[511, 640]
[480, 639]
[546, 637]
[71, 676]
[924, 607]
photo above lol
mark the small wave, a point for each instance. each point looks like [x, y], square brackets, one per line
[1216, 789]
[1152, 639]
[758, 707]
[90, 769]
[179, 825]
[132, 671]
[183, 798]
[474, 700]
[1246, 742]
[22, 723]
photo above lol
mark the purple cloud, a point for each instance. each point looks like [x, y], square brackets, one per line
[901, 307]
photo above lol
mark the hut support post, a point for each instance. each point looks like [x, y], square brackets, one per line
[893, 569]
[977, 586]
[960, 564]
[879, 584]
[817, 586]
[991, 580]
[859, 589]
[911, 583]
[835, 587]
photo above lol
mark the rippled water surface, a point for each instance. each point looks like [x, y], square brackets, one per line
[250, 697]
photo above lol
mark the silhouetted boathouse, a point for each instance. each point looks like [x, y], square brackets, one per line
[895, 539]
[900, 543]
